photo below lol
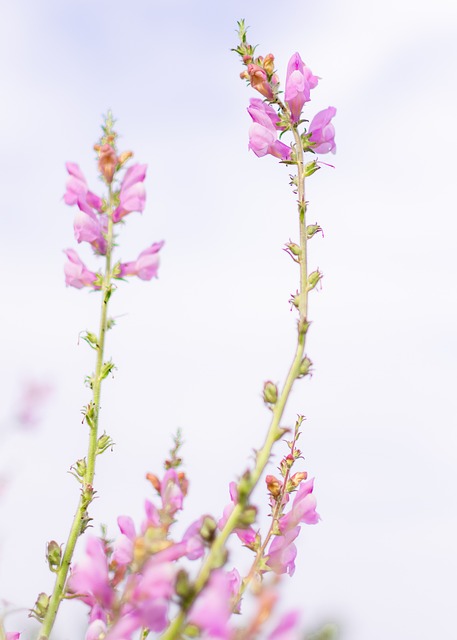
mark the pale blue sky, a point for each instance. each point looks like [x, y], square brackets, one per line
[196, 345]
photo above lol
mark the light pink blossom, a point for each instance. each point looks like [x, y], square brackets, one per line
[282, 552]
[76, 188]
[322, 132]
[247, 535]
[89, 577]
[287, 627]
[89, 227]
[299, 82]
[76, 273]
[132, 196]
[303, 508]
[13, 635]
[145, 266]
[212, 610]
[263, 135]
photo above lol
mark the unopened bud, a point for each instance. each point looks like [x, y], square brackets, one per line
[208, 528]
[107, 368]
[247, 58]
[40, 607]
[269, 63]
[123, 157]
[312, 229]
[53, 555]
[296, 479]
[314, 278]
[310, 168]
[183, 482]
[244, 75]
[270, 392]
[247, 518]
[79, 468]
[183, 586]
[107, 161]
[305, 366]
[274, 486]
[154, 480]
[103, 443]
[294, 248]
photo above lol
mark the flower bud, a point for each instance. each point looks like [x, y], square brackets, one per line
[40, 606]
[270, 392]
[103, 443]
[248, 517]
[269, 64]
[154, 480]
[313, 279]
[53, 555]
[274, 486]
[310, 168]
[183, 586]
[107, 368]
[107, 161]
[305, 367]
[312, 229]
[79, 468]
[208, 528]
[123, 157]
[295, 480]
[293, 248]
[183, 482]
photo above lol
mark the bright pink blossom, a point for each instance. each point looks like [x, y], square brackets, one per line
[132, 196]
[303, 508]
[89, 577]
[299, 82]
[123, 546]
[76, 273]
[152, 593]
[145, 266]
[322, 131]
[89, 227]
[76, 188]
[263, 135]
[282, 552]
[256, 106]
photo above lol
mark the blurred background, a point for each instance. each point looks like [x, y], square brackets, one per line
[193, 348]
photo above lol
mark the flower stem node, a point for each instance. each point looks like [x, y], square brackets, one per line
[53, 555]
[305, 367]
[270, 392]
[312, 229]
[103, 443]
[313, 279]
[40, 607]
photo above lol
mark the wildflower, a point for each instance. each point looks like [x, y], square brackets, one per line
[299, 82]
[90, 578]
[282, 552]
[76, 188]
[132, 196]
[76, 273]
[321, 131]
[263, 135]
[145, 266]
[303, 508]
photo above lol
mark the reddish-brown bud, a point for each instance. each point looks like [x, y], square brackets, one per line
[183, 482]
[154, 480]
[274, 485]
[123, 157]
[107, 161]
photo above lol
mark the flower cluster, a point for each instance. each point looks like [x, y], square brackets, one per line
[272, 117]
[95, 218]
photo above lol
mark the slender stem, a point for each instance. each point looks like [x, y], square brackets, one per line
[274, 431]
[81, 517]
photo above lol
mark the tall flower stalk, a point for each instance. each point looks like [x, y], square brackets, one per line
[94, 223]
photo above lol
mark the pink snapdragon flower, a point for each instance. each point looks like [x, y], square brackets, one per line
[259, 80]
[90, 578]
[91, 228]
[303, 508]
[299, 82]
[263, 134]
[282, 552]
[123, 546]
[287, 627]
[132, 196]
[77, 189]
[145, 266]
[248, 535]
[13, 635]
[322, 132]
[212, 610]
[76, 273]
[151, 595]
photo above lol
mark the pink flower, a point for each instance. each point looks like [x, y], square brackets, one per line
[76, 188]
[257, 106]
[132, 196]
[282, 552]
[89, 227]
[90, 578]
[145, 266]
[123, 546]
[152, 594]
[259, 80]
[303, 508]
[287, 627]
[13, 635]
[96, 630]
[299, 82]
[263, 135]
[76, 273]
[212, 610]
[248, 535]
[322, 132]
[34, 395]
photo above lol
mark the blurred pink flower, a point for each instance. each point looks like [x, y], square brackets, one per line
[89, 227]
[76, 188]
[248, 535]
[132, 196]
[76, 273]
[145, 266]
[212, 610]
[282, 552]
[299, 82]
[263, 135]
[287, 627]
[34, 395]
[89, 577]
[322, 131]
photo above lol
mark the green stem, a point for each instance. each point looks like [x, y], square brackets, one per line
[87, 492]
[274, 431]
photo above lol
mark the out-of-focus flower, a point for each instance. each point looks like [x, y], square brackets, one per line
[145, 266]
[322, 132]
[107, 161]
[96, 630]
[282, 552]
[76, 188]
[76, 273]
[34, 395]
[287, 627]
[132, 196]
[303, 508]
[152, 593]
[212, 610]
[13, 635]
[263, 134]
[89, 227]
[299, 82]
[123, 546]
[248, 535]
[89, 577]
